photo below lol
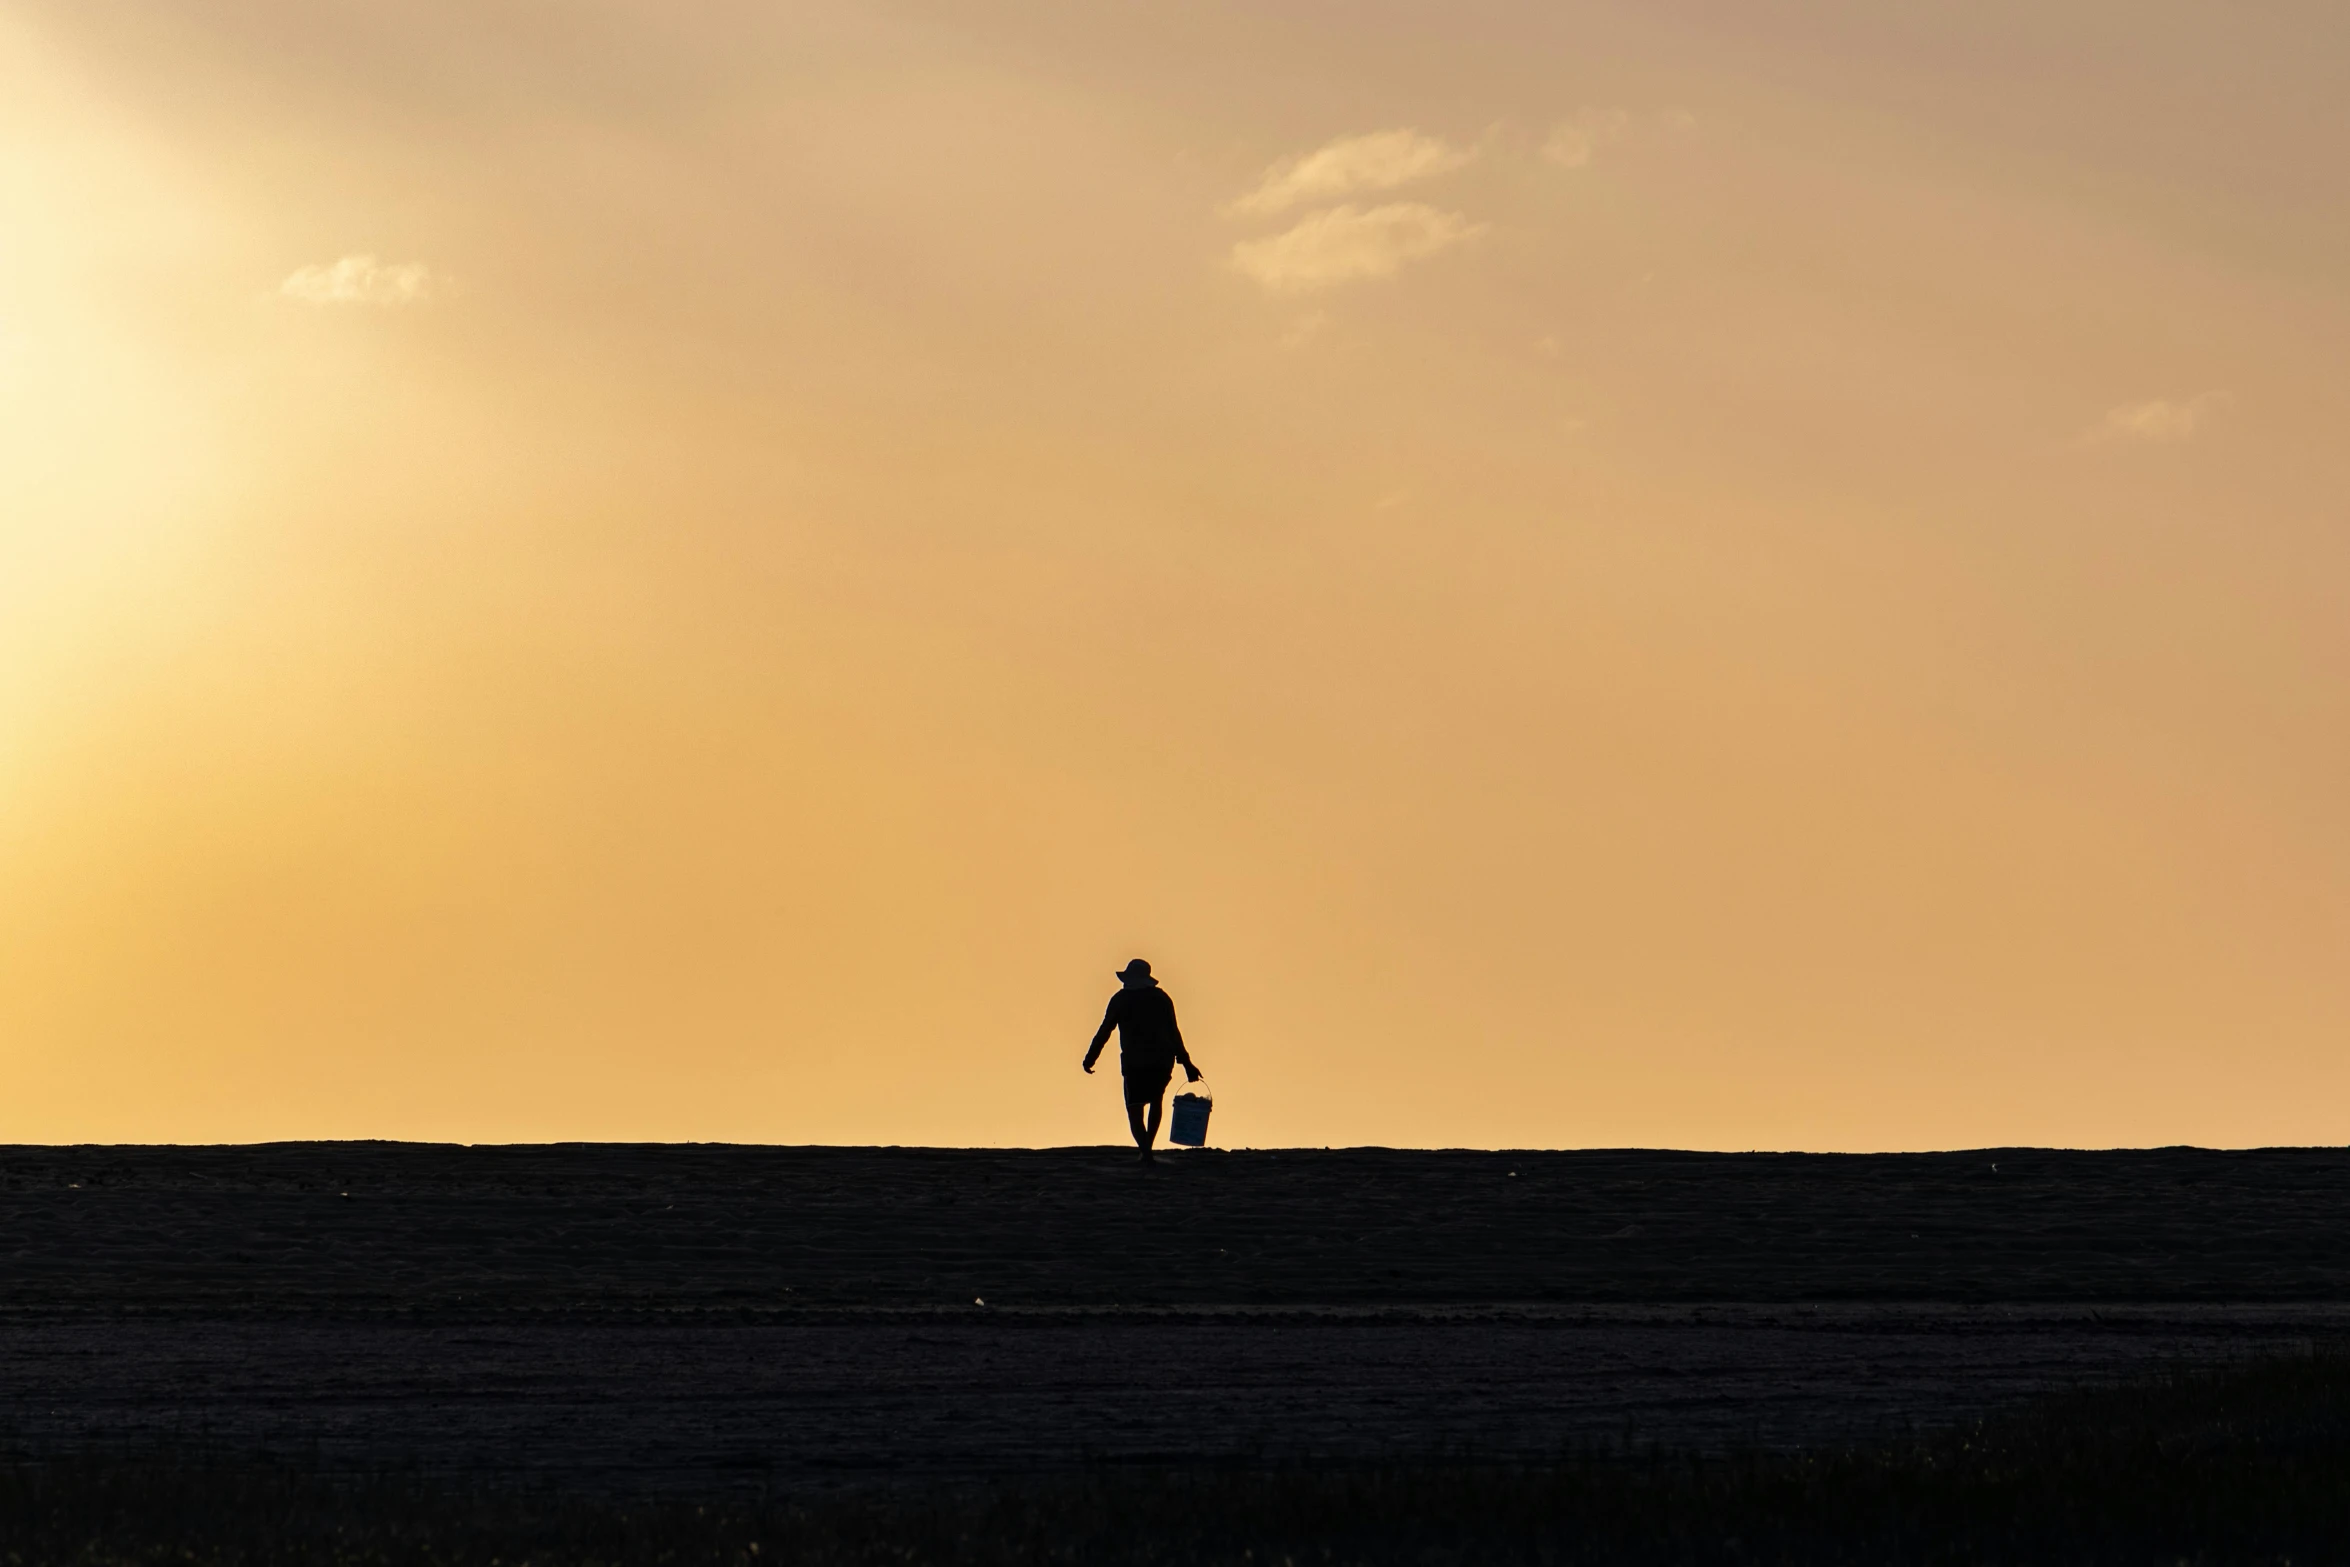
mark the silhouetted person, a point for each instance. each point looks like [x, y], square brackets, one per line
[1149, 1045]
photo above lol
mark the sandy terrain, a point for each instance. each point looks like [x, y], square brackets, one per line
[703, 1316]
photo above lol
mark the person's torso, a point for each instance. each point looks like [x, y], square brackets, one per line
[1146, 1023]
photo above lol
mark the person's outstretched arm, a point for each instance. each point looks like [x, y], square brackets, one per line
[1175, 1032]
[1101, 1035]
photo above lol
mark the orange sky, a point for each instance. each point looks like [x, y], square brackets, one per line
[1704, 573]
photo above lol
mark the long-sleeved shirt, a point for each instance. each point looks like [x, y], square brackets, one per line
[1149, 1043]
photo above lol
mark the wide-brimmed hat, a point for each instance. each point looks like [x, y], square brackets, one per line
[1138, 969]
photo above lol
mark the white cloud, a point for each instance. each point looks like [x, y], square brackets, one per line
[1381, 160]
[360, 280]
[1343, 244]
[1572, 143]
[2157, 419]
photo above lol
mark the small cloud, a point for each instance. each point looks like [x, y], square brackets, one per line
[2158, 419]
[1393, 500]
[1344, 244]
[360, 280]
[1572, 143]
[1381, 160]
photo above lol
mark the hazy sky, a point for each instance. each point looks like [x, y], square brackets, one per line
[1704, 572]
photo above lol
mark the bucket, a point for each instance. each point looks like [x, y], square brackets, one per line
[1189, 1123]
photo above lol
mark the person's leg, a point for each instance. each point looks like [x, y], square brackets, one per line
[1143, 1105]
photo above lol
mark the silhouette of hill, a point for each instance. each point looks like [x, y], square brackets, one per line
[582, 1227]
[678, 1318]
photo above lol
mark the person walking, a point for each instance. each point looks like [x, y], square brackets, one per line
[1149, 1045]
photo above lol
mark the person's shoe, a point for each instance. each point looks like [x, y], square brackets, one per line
[1146, 1156]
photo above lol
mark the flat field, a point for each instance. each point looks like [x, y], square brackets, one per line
[694, 1318]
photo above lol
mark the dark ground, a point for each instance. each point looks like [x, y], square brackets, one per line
[689, 1318]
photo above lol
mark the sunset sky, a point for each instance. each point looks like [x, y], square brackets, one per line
[1716, 573]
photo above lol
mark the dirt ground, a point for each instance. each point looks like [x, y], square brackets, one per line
[704, 1316]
